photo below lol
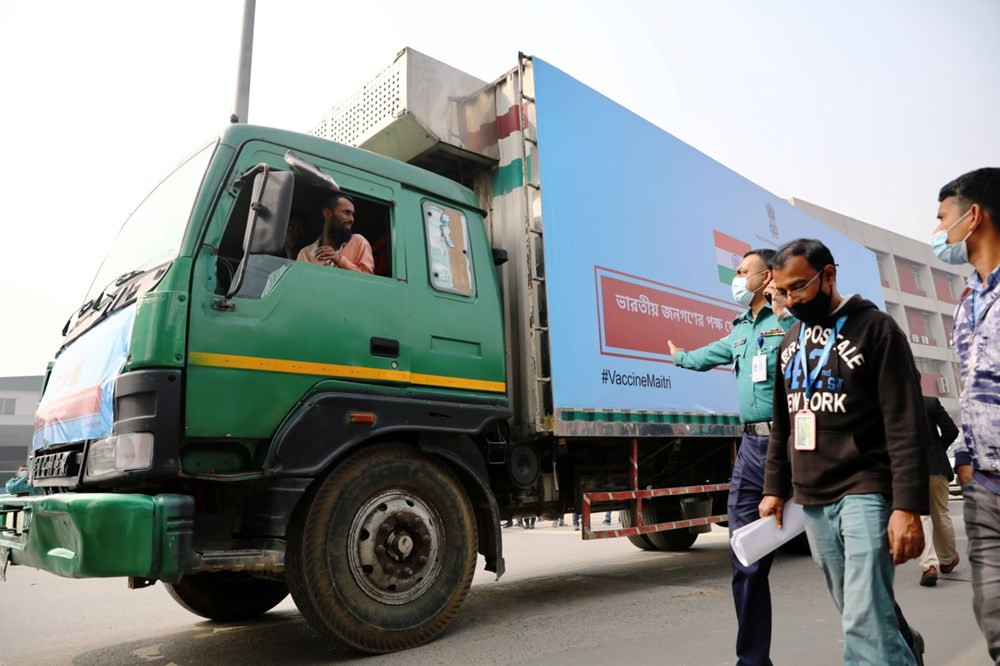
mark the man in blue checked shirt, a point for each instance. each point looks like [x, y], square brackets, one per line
[969, 232]
[751, 348]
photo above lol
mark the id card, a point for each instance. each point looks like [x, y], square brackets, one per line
[758, 372]
[805, 430]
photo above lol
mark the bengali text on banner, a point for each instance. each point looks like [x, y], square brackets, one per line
[638, 316]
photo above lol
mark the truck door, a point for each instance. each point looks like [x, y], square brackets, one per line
[293, 324]
[457, 331]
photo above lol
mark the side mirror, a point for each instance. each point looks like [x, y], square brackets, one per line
[267, 222]
[270, 204]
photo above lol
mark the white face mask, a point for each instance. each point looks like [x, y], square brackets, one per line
[951, 253]
[741, 294]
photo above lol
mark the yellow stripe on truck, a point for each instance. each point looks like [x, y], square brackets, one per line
[210, 360]
[457, 382]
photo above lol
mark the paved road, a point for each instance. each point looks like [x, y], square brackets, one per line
[561, 602]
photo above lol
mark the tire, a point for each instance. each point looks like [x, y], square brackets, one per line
[660, 511]
[226, 596]
[640, 541]
[293, 549]
[385, 553]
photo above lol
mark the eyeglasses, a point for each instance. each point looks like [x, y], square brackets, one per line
[797, 292]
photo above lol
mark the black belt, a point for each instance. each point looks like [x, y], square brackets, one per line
[759, 429]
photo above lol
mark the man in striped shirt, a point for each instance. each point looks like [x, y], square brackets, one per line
[969, 232]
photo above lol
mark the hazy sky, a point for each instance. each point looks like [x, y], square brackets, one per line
[860, 106]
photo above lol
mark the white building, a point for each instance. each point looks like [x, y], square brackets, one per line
[920, 293]
[18, 400]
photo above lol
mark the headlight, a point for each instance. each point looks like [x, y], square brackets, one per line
[120, 453]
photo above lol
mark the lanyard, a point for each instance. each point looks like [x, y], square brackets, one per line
[827, 348]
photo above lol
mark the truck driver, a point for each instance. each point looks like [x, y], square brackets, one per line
[329, 249]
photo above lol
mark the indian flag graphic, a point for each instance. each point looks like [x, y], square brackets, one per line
[729, 253]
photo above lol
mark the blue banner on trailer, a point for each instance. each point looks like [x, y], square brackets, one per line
[642, 237]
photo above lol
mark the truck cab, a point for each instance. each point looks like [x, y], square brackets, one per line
[216, 399]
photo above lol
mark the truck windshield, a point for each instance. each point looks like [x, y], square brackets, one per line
[153, 232]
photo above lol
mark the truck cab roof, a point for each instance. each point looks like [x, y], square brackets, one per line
[406, 174]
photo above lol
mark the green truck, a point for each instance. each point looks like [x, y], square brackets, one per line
[239, 425]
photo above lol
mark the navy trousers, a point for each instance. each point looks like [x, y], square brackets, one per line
[751, 591]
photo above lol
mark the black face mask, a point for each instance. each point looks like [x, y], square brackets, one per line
[813, 311]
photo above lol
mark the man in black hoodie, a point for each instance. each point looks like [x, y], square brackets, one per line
[849, 437]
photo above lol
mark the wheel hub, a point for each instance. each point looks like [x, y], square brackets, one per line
[394, 547]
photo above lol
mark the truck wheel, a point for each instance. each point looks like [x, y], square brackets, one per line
[386, 551]
[663, 512]
[639, 541]
[227, 595]
[293, 549]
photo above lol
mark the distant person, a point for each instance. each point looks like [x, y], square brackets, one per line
[297, 236]
[752, 349]
[939, 533]
[380, 254]
[20, 483]
[969, 232]
[849, 436]
[337, 246]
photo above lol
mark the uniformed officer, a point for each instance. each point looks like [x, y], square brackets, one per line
[752, 349]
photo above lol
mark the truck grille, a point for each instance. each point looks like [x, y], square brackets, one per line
[54, 465]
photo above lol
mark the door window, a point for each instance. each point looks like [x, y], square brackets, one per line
[305, 230]
[449, 262]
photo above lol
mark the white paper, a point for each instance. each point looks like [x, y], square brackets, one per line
[754, 541]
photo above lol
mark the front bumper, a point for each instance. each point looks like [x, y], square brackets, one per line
[99, 535]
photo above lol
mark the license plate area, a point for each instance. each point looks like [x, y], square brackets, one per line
[53, 465]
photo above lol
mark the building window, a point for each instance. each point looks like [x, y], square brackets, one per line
[7, 406]
[952, 287]
[880, 260]
[917, 281]
[949, 327]
[928, 326]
